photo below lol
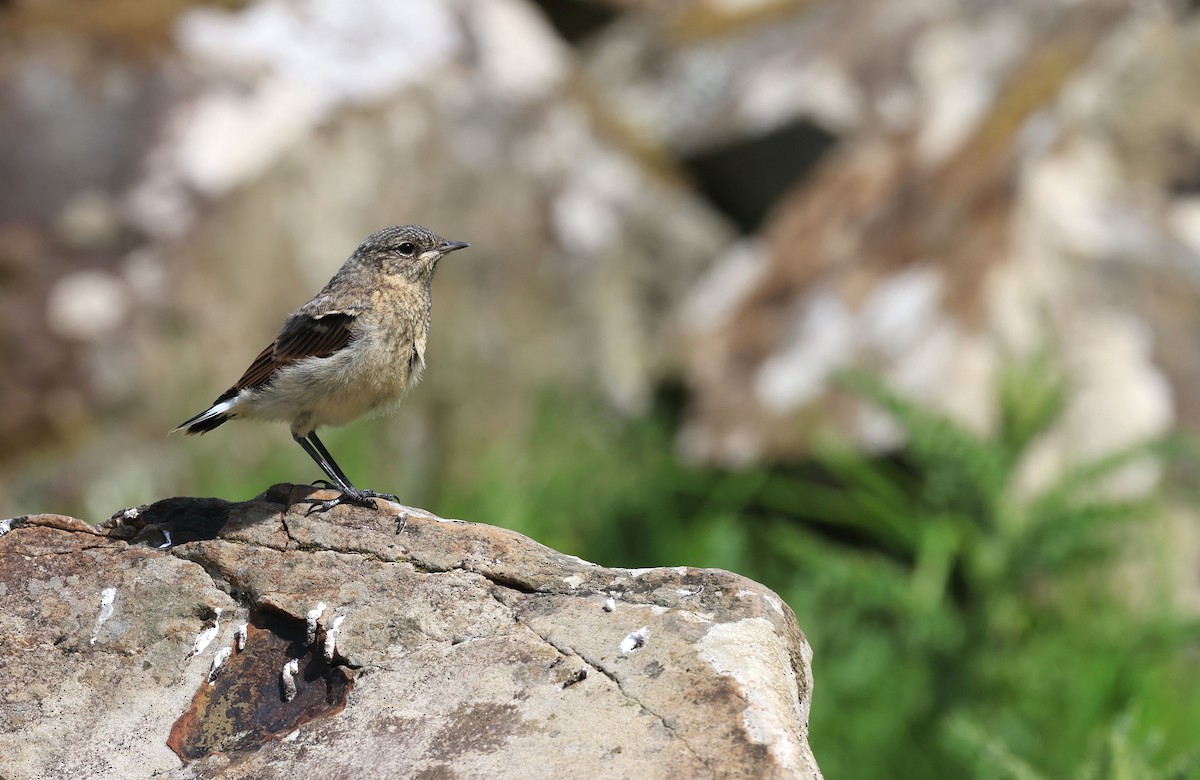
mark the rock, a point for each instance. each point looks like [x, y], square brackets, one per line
[1025, 202]
[199, 638]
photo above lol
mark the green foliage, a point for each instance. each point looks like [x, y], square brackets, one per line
[1119, 755]
[960, 627]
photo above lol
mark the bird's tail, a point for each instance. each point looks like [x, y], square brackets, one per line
[212, 417]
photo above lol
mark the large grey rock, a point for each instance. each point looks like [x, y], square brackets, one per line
[1015, 182]
[424, 648]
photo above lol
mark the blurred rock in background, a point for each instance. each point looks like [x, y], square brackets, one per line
[1008, 179]
[752, 196]
[254, 152]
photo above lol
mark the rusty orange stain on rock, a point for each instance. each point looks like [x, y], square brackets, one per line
[245, 707]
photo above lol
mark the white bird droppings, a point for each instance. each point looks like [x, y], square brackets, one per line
[635, 640]
[313, 616]
[239, 636]
[107, 597]
[218, 661]
[208, 634]
[610, 604]
[331, 637]
[288, 675]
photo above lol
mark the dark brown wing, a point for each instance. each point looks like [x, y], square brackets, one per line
[302, 336]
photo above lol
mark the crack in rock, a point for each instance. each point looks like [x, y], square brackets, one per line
[287, 531]
[568, 652]
[73, 551]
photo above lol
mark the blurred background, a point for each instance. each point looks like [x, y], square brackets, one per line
[892, 306]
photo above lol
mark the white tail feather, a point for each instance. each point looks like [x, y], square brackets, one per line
[208, 414]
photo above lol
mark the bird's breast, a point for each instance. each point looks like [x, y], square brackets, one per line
[390, 358]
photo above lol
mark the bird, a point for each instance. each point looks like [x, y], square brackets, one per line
[355, 349]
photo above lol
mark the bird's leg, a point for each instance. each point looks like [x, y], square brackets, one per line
[345, 481]
[316, 450]
[335, 473]
[328, 464]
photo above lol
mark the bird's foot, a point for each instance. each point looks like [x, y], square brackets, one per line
[363, 498]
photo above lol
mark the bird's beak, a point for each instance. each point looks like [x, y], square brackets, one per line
[450, 246]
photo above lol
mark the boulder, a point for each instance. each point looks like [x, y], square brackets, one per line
[200, 638]
[1017, 181]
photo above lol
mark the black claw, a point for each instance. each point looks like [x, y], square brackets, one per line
[323, 483]
[373, 494]
[323, 506]
[363, 498]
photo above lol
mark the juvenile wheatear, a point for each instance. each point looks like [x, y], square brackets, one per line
[352, 350]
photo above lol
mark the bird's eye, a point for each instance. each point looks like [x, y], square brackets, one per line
[407, 248]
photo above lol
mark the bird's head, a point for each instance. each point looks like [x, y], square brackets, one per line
[407, 250]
